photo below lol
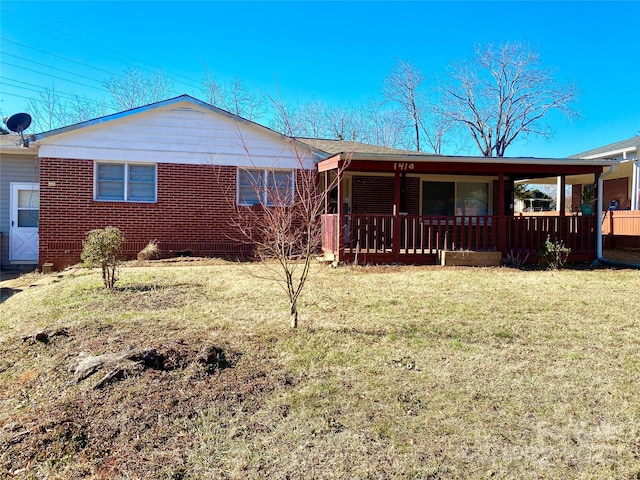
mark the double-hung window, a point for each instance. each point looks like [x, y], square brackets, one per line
[125, 182]
[265, 187]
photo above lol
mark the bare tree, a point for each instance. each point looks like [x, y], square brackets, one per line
[80, 109]
[283, 228]
[503, 93]
[135, 88]
[287, 120]
[283, 221]
[402, 86]
[48, 111]
[380, 126]
[234, 97]
[314, 119]
[52, 110]
[436, 127]
[342, 123]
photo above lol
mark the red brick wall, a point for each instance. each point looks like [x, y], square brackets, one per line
[194, 204]
[372, 195]
[375, 195]
[576, 192]
[508, 196]
[616, 189]
[411, 196]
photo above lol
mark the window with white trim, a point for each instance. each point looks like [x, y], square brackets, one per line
[125, 182]
[265, 187]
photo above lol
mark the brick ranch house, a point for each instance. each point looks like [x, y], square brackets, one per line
[173, 171]
[176, 171]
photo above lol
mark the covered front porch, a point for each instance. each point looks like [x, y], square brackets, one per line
[408, 208]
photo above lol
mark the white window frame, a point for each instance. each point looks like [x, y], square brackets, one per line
[263, 174]
[126, 166]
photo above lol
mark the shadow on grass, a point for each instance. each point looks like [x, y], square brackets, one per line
[6, 293]
[153, 287]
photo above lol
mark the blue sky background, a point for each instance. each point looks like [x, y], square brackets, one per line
[338, 52]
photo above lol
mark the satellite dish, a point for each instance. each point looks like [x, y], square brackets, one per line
[19, 123]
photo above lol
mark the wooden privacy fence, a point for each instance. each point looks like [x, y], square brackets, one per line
[621, 228]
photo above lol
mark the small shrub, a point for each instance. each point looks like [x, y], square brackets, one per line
[553, 255]
[514, 260]
[150, 252]
[101, 248]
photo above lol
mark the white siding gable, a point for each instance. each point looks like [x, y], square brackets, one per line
[182, 132]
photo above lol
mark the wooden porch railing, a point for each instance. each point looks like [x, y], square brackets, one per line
[418, 234]
[426, 235]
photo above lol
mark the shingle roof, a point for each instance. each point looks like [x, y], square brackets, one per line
[343, 146]
[628, 143]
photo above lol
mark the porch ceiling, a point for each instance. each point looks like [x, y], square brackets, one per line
[622, 170]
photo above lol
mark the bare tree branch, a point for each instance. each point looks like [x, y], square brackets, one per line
[403, 87]
[134, 88]
[234, 97]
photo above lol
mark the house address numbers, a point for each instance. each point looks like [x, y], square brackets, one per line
[403, 166]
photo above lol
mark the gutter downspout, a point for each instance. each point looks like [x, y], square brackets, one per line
[635, 185]
[601, 178]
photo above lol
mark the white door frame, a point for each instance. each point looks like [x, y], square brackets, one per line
[20, 234]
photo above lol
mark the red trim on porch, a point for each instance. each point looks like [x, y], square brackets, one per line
[467, 168]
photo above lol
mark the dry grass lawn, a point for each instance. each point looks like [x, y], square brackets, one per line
[396, 372]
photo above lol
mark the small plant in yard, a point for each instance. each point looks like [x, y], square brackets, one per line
[101, 248]
[553, 255]
[150, 252]
[514, 260]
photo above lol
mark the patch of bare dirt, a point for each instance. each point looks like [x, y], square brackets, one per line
[105, 415]
[180, 261]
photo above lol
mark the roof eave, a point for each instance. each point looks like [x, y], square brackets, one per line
[472, 159]
[620, 151]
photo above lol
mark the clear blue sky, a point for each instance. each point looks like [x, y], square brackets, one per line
[337, 52]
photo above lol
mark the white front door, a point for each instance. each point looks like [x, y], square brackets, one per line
[23, 221]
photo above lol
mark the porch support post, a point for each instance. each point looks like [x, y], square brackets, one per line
[600, 183]
[395, 235]
[502, 220]
[598, 232]
[326, 192]
[635, 185]
[562, 200]
[340, 210]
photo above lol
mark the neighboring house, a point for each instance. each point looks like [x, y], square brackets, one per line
[620, 192]
[178, 171]
[622, 185]
[19, 205]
